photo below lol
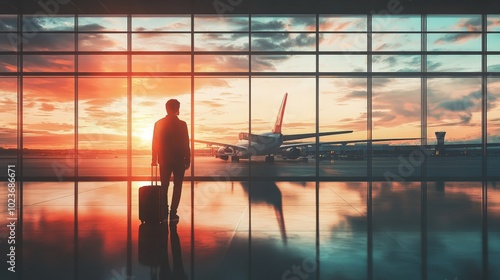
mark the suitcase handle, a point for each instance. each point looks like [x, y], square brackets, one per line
[155, 177]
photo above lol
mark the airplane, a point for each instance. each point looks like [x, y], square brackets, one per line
[274, 142]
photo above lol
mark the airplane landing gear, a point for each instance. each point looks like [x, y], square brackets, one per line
[270, 159]
[235, 158]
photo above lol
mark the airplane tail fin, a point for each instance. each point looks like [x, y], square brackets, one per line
[279, 118]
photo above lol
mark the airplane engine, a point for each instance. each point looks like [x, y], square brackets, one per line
[291, 153]
[224, 153]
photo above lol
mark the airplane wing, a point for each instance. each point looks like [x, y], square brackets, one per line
[291, 137]
[243, 148]
[344, 142]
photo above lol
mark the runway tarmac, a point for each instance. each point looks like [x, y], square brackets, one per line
[388, 168]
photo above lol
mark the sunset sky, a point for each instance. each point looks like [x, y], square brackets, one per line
[221, 108]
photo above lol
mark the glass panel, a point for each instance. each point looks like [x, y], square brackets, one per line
[396, 23]
[339, 23]
[283, 63]
[8, 63]
[161, 63]
[283, 23]
[396, 42]
[493, 23]
[8, 120]
[298, 118]
[221, 245]
[343, 230]
[454, 42]
[493, 129]
[396, 63]
[493, 228]
[8, 23]
[454, 63]
[342, 107]
[161, 42]
[342, 42]
[102, 126]
[8, 42]
[102, 63]
[221, 42]
[454, 23]
[454, 108]
[49, 63]
[396, 230]
[221, 115]
[454, 230]
[218, 23]
[281, 220]
[283, 42]
[50, 42]
[161, 23]
[86, 23]
[342, 63]
[493, 63]
[149, 96]
[493, 42]
[396, 115]
[49, 129]
[48, 23]
[53, 229]
[102, 229]
[102, 42]
[221, 63]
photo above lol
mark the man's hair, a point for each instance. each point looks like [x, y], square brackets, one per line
[172, 106]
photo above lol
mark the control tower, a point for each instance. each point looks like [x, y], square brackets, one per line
[440, 151]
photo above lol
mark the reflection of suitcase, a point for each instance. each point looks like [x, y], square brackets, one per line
[152, 202]
[152, 243]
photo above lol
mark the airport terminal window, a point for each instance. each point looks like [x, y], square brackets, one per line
[48, 126]
[325, 52]
[84, 92]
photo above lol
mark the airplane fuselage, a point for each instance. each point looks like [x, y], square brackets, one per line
[262, 144]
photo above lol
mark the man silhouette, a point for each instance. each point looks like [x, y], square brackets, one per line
[171, 150]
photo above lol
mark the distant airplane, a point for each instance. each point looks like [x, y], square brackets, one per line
[270, 143]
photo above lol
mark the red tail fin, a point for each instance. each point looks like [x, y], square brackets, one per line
[279, 118]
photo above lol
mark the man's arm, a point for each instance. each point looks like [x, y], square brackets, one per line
[154, 148]
[187, 150]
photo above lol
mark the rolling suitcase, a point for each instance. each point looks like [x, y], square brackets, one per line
[153, 201]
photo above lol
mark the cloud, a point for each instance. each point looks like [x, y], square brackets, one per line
[8, 63]
[465, 103]
[91, 27]
[472, 25]
[274, 25]
[47, 107]
[8, 23]
[48, 127]
[493, 22]
[212, 104]
[50, 42]
[494, 68]
[8, 137]
[457, 38]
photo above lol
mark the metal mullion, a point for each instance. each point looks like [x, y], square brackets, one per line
[423, 133]
[318, 245]
[20, 144]
[76, 139]
[129, 145]
[192, 53]
[250, 177]
[369, 108]
[484, 136]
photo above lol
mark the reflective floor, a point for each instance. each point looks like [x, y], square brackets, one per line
[260, 230]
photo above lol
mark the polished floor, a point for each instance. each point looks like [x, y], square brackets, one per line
[260, 230]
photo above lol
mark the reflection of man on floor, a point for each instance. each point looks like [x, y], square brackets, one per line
[171, 151]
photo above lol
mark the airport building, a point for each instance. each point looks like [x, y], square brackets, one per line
[317, 135]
